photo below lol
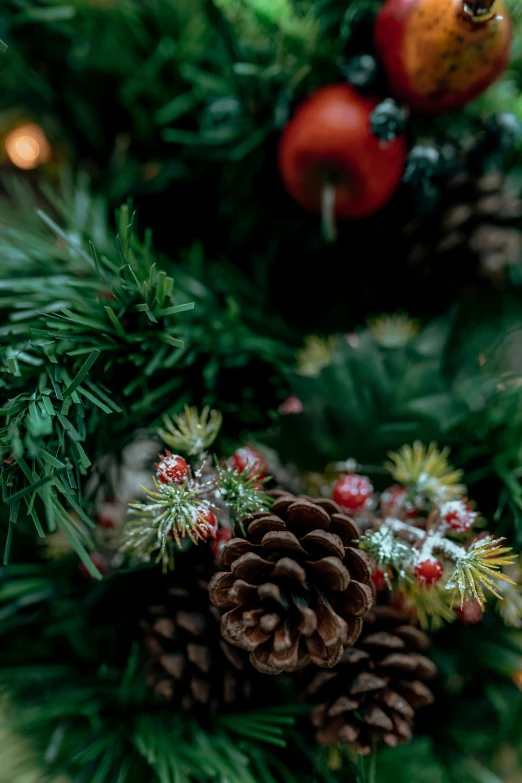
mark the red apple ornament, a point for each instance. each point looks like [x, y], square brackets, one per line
[440, 54]
[329, 159]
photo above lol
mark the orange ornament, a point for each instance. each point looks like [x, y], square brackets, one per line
[440, 54]
[327, 153]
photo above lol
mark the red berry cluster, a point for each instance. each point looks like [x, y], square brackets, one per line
[381, 579]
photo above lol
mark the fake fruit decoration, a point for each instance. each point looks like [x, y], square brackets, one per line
[429, 571]
[440, 54]
[458, 516]
[353, 492]
[171, 468]
[329, 160]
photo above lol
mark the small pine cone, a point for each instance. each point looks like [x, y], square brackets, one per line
[298, 585]
[374, 691]
[190, 663]
[475, 229]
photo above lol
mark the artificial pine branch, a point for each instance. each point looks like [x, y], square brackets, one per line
[189, 502]
[192, 433]
[63, 338]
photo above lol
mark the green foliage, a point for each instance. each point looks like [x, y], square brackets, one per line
[398, 395]
[241, 493]
[64, 337]
[80, 693]
[93, 342]
[181, 103]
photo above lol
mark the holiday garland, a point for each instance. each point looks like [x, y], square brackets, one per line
[258, 617]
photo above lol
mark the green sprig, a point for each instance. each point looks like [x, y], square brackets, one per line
[241, 491]
[478, 568]
[385, 547]
[170, 511]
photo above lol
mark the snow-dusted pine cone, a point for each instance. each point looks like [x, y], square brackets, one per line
[375, 689]
[297, 588]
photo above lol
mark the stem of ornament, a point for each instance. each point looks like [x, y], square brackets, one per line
[328, 212]
[476, 11]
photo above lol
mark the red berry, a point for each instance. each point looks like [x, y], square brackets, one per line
[292, 404]
[250, 460]
[353, 492]
[471, 612]
[440, 54]
[458, 516]
[109, 515]
[379, 580]
[328, 142]
[207, 524]
[171, 469]
[429, 571]
[395, 503]
[223, 535]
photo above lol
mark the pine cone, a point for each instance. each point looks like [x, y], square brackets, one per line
[376, 688]
[475, 229]
[298, 585]
[190, 663]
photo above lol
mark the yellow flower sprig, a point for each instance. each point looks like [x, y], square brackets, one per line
[393, 331]
[479, 568]
[192, 432]
[427, 470]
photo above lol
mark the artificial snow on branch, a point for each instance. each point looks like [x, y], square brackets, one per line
[420, 534]
[191, 503]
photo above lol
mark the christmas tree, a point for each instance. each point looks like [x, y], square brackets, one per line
[261, 320]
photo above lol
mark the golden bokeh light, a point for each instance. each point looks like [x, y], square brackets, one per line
[517, 677]
[27, 146]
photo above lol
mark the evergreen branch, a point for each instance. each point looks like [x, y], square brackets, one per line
[385, 547]
[170, 511]
[58, 342]
[242, 493]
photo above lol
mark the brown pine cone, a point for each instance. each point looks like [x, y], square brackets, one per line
[476, 225]
[298, 585]
[190, 663]
[376, 688]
